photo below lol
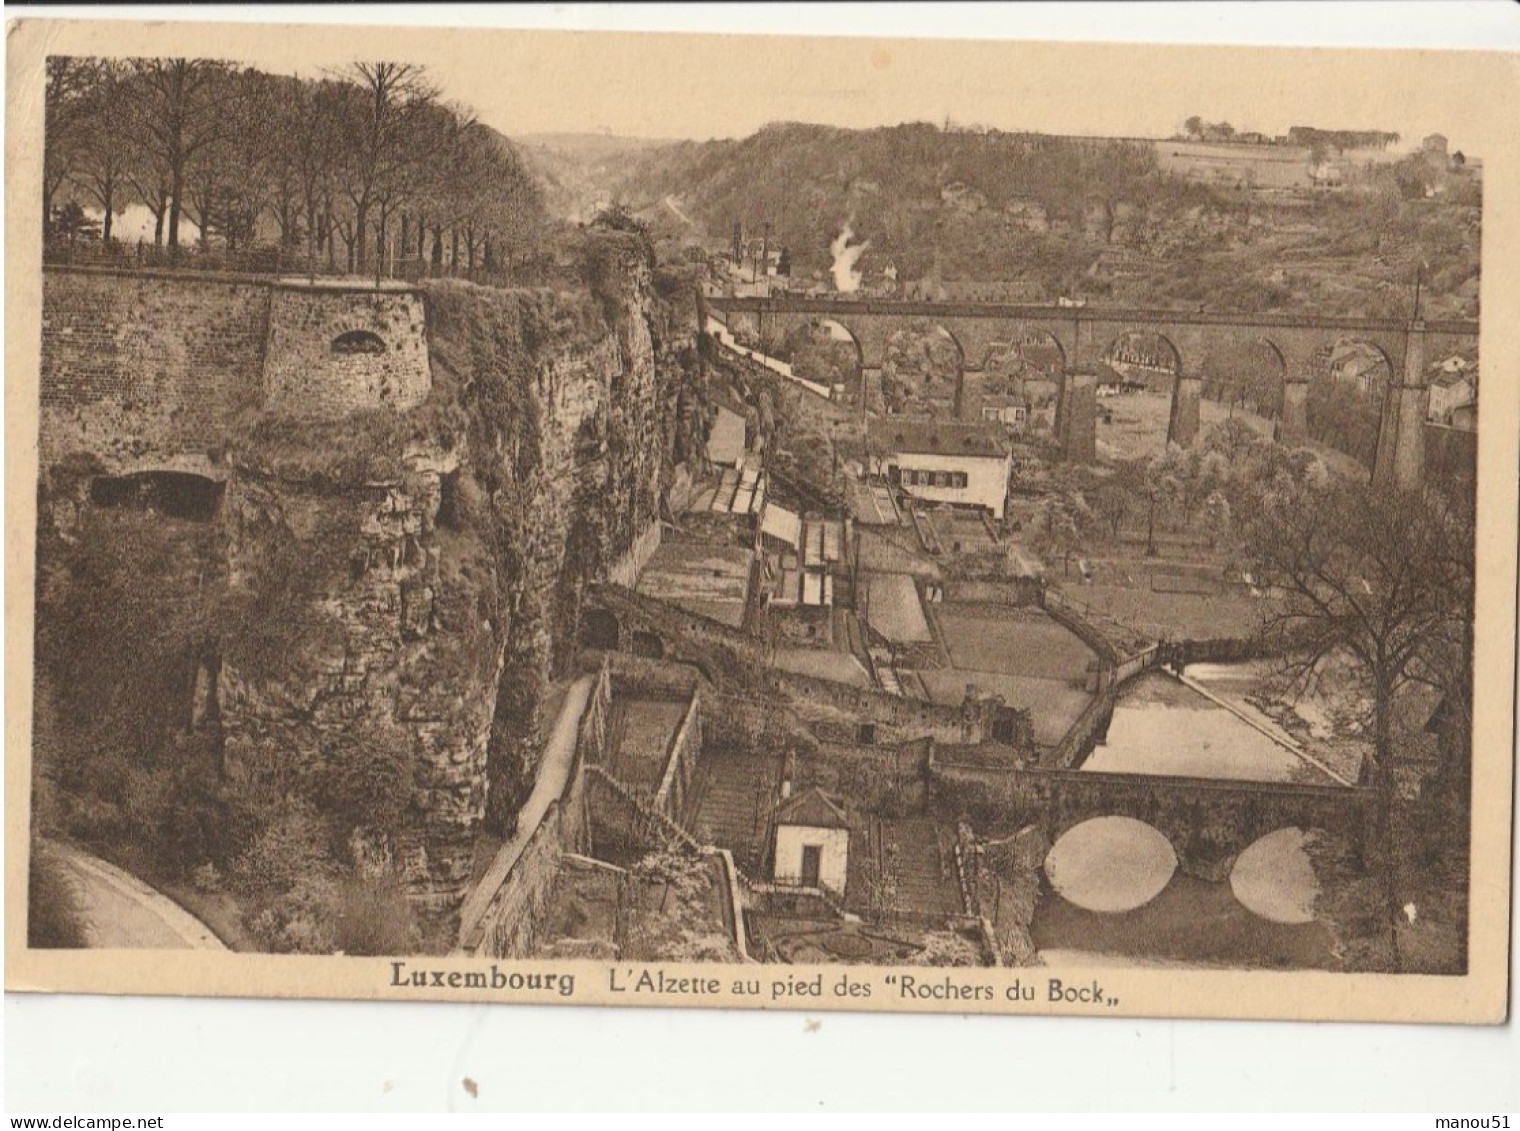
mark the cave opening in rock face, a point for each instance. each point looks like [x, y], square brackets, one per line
[450, 515]
[599, 629]
[181, 495]
[648, 645]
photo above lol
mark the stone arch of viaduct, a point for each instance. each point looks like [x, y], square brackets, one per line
[1085, 333]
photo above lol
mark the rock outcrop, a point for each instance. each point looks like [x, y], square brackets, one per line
[404, 573]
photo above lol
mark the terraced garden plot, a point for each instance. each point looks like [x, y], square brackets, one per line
[1181, 615]
[639, 733]
[1008, 641]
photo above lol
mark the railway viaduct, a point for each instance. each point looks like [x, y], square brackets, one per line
[1086, 335]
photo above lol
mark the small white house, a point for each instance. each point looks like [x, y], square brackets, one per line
[1450, 391]
[1010, 412]
[943, 462]
[812, 842]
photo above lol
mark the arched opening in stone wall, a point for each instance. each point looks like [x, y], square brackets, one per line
[1110, 864]
[1347, 383]
[1145, 357]
[358, 341]
[1274, 877]
[1029, 366]
[922, 370]
[825, 351]
[599, 629]
[648, 645]
[1244, 373]
[1361, 365]
[174, 494]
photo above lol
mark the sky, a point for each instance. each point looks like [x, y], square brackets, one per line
[673, 86]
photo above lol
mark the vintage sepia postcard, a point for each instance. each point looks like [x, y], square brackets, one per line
[752, 521]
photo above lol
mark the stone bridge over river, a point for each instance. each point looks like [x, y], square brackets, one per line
[1083, 336]
[1206, 820]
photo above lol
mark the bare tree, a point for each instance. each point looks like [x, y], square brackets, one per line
[309, 119]
[181, 116]
[387, 98]
[70, 85]
[231, 180]
[104, 157]
[433, 166]
[1384, 576]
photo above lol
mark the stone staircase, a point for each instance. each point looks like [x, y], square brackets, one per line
[652, 825]
[731, 803]
[918, 863]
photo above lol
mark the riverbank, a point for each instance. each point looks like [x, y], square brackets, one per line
[1324, 719]
[1429, 925]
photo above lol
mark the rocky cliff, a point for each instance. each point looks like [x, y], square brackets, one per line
[403, 581]
[454, 543]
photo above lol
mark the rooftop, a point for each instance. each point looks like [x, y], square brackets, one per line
[892, 608]
[782, 524]
[725, 444]
[1099, 369]
[813, 809]
[925, 434]
[701, 576]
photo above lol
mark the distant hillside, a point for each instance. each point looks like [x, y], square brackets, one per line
[892, 185]
[591, 145]
[985, 214]
[578, 171]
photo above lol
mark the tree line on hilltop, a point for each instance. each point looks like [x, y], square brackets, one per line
[808, 180]
[951, 209]
[360, 167]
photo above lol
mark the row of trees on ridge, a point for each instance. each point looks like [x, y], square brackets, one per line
[365, 164]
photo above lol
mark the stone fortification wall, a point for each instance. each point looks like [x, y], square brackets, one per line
[886, 780]
[639, 677]
[509, 924]
[626, 570]
[165, 370]
[419, 485]
[147, 370]
[514, 920]
[333, 351]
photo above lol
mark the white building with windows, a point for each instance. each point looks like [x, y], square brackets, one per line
[812, 847]
[942, 461]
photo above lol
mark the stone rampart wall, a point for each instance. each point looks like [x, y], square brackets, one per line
[333, 352]
[148, 370]
[144, 370]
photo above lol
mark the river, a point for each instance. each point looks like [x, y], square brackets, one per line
[1114, 894]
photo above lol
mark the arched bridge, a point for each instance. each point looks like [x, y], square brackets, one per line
[1207, 820]
[1086, 334]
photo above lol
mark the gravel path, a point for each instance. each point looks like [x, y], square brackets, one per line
[122, 912]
